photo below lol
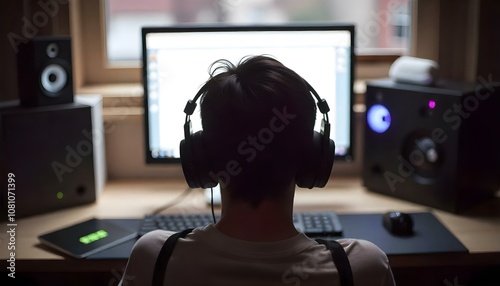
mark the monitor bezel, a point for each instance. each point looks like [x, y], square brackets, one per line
[348, 157]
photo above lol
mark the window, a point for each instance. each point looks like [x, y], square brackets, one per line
[382, 26]
[106, 33]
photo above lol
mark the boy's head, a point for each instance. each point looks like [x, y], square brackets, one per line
[258, 123]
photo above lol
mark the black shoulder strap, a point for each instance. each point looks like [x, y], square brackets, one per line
[164, 256]
[338, 255]
[340, 260]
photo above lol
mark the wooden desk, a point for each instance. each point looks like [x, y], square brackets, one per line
[478, 229]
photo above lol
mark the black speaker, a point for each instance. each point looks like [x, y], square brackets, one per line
[45, 71]
[433, 145]
[46, 158]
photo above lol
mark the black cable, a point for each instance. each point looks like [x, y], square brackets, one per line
[173, 202]
[212, 204]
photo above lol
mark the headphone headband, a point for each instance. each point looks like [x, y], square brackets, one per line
[320, 102]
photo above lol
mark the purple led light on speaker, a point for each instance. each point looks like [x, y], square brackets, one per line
[432, 104]
[378, 118]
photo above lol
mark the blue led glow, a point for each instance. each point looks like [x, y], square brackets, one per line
[379, 118]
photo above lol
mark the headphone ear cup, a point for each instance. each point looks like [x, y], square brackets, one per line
[317, 163]
[195, 163]
[326, 164]
[188, 165]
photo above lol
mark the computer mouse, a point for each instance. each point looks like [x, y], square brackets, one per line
[398, 223]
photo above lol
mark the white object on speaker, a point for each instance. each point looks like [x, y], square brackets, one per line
[413, 70]
[98, 136]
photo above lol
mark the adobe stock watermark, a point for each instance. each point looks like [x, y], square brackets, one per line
[254, 144]
[301, 271]
[30, 27]
[222, 7]
[75, 154]
[123, 107]
[381, 19]
[10, 237]
[454, 116]
[194, 202]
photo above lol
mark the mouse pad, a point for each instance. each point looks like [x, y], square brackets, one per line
[89, 237]
[430, 235]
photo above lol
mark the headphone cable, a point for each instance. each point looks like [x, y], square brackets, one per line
[212, 204]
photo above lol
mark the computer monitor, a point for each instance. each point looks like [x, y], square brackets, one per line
[176, 62]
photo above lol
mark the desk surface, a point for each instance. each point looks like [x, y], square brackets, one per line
[478, 229]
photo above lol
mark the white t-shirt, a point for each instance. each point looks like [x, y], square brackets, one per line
[208, 257]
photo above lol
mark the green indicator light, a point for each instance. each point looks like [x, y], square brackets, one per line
[59, 195]
[92, 237]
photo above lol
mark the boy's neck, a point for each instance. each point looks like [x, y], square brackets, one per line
[272, 220]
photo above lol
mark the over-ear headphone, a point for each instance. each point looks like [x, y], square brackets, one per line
[314, 172]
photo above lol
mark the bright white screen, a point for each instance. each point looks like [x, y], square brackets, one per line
[177, 66]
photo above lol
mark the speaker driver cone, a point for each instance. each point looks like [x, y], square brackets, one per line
[423, 154]
[53, 79]
[52, 50]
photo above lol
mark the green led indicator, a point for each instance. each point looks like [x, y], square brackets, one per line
[95, 236]
[59, 195]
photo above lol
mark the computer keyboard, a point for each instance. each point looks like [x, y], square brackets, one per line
[313, 224]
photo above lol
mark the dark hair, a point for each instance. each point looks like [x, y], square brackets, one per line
[258, 119]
